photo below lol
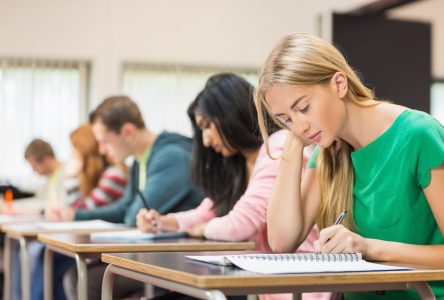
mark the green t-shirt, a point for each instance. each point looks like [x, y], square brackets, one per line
[390, 175]
[143, 161]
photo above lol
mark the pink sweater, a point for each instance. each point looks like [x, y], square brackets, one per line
[247, 220]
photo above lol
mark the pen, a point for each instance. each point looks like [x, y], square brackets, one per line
[341, 217]
[142, 198]
[337, 222]
[145, 203]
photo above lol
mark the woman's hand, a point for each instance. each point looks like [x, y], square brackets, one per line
[338, 239]
[59, 213]
[197, 231]
[148, 221]
[293, 143]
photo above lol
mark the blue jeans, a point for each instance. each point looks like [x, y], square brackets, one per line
[34, 250]
[61, 264]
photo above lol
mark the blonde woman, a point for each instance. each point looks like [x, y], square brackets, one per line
[381, 162]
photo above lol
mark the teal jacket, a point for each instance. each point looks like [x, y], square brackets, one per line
[168, 187]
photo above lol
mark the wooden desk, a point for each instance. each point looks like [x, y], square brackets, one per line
[81, 248]
[23, 233]
[6, 220]
[173, 271]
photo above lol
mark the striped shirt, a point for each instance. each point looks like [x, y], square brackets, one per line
[110, 187]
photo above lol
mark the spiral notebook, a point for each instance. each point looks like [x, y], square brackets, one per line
[297, 263]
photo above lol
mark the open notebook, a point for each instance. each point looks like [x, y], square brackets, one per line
[133, 235]
[297, 263]
[79, 225]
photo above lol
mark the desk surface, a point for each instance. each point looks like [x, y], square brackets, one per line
[81, 243]
[6, 220]
[32, 229]
[175, 267]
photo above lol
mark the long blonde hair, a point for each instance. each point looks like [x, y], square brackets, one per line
[304, 59]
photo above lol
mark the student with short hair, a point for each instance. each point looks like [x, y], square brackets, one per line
[231, 166]
[43, 161]
[41, 156]
[91, 181]
[159, 176]
[381, 162]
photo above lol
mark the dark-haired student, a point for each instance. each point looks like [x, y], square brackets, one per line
[232, 168]
[161, 172]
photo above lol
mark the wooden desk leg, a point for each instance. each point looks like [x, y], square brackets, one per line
[82, 277]
[47, 271]
[24, 259]
[423, 289]
[7, 292]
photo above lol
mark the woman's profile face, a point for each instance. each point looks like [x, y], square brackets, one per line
[314, 113]
[211, 136]
[75, 164]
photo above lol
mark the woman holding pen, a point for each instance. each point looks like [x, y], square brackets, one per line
[231, 166]
[381, 162]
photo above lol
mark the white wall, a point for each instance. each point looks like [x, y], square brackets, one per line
[107, 32]
[431, 11]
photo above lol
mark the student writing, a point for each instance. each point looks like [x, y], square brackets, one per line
[381, 162]
[231, 167]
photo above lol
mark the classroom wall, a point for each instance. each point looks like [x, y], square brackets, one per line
[431, 11]
[106, 32]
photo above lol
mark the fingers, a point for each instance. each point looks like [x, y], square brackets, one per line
[197, 231]
[148, 221]
[53, 213]
[67, 213]
[140, 216]
[338, 239]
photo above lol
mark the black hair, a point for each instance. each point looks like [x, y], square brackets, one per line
[227, 101]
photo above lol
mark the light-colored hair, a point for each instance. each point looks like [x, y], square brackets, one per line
[304, 59]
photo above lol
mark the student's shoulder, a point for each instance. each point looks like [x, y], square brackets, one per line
[418, 124]
[170, 143]
[169, 149]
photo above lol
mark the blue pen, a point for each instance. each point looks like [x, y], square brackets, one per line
[341, 217]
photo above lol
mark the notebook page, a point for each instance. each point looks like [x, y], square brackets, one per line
[133, 235]
[288, 267]
[78, 225]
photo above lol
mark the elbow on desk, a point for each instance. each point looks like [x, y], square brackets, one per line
[281, 243]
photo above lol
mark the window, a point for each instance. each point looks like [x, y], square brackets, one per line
[163, 93]
[38, 99]
[437, 102]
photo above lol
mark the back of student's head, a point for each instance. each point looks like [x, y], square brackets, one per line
[227, 102]
[83, 141]
[115, 111]
[38, 149]
[302, 60]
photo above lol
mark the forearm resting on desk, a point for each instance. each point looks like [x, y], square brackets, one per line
[429, 255]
